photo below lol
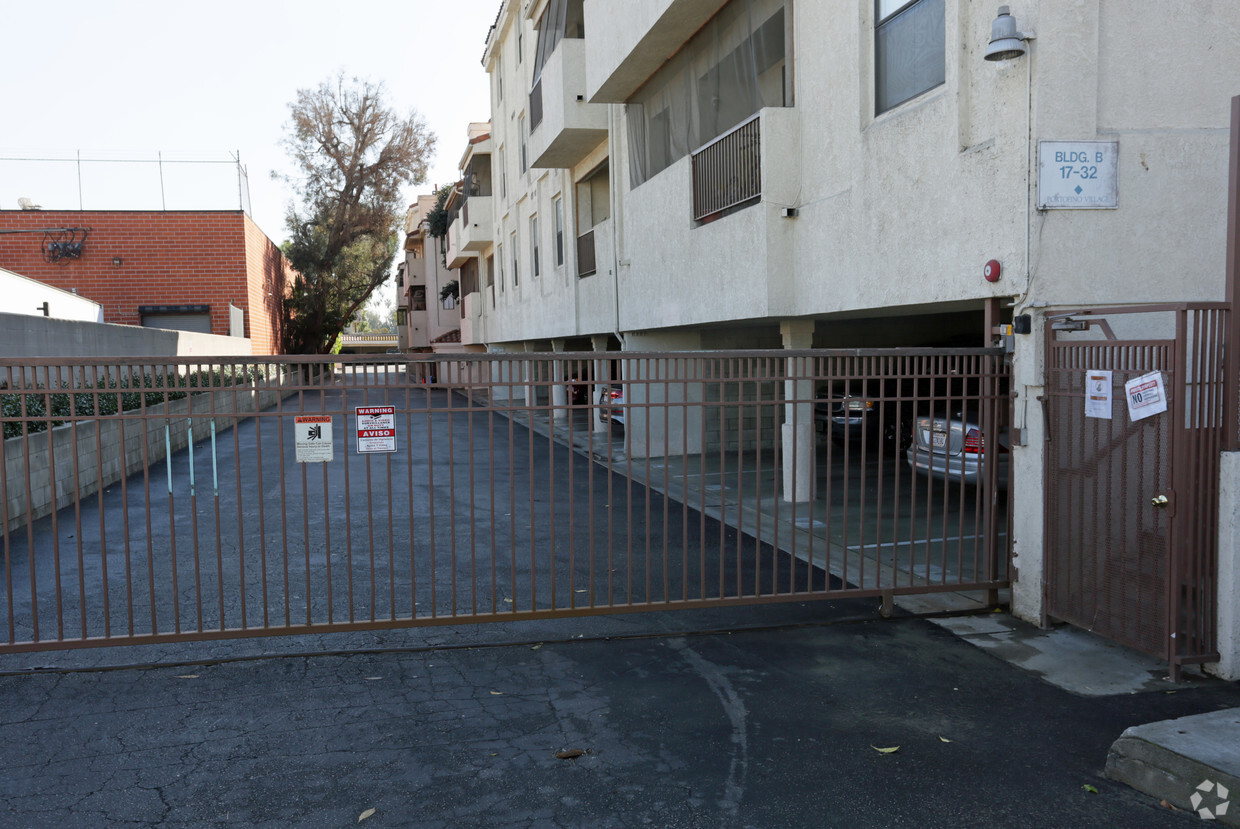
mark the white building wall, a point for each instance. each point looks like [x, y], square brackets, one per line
[26, 296]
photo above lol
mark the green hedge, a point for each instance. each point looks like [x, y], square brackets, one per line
[131, 392]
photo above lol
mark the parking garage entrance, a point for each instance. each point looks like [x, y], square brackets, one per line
[192, 499]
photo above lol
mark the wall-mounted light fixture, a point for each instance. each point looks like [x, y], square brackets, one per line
[116, 261]
[1005, 41]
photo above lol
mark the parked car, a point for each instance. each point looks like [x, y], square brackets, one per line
[954, 449]
[611, 401]
[872, 411]
[578, 391]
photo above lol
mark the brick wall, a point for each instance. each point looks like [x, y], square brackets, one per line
[208, 258]
[268, 276]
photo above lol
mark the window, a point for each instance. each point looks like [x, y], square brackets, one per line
[521, 130]
[910, 54]
[559, 231]
[534, 245]
[516, 259]
[491, 278]
[593, 206]
[499, 264]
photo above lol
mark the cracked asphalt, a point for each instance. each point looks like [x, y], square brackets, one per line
[762, 727]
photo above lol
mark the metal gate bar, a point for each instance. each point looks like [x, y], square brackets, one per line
[508, 493]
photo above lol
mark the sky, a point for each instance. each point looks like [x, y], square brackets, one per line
[135, 80]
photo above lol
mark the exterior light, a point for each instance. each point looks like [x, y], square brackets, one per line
[1005, 41]
[116, 261]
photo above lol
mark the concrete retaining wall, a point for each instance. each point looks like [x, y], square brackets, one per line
[96, 447]
[26, 336]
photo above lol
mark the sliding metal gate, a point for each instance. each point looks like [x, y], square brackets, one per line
[189, 499]
[1131, 514]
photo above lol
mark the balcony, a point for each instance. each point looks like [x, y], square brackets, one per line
[569, 128]
[471, 319]
[476, 227]
[457, 255]
[630, 41]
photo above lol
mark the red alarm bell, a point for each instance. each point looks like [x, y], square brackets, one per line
[991, 271]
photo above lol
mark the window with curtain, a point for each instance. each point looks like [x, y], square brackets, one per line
[559, 232]
[734, 66]
[910, 53]
[534, 264]
[561, 19]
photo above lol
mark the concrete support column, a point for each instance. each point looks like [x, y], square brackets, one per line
[798, 428]
[1228, 666]
[602, 380]
[529, 370]
[1028, 464]
[559, 388]
[498, 375]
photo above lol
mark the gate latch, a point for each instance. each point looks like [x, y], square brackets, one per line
[1160, 500]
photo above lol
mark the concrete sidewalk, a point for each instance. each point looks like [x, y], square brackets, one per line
[783, 726]
[1183, 761]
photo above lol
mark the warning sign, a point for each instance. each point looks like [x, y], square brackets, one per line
[1147, 395]
[312, 436]
[376, 428]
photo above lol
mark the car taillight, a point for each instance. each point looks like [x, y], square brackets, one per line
[973, 443]
[616, 394]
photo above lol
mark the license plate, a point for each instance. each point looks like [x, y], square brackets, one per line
[938, 440]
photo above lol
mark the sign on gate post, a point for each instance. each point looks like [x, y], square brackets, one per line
[312, 437]
[376, 429]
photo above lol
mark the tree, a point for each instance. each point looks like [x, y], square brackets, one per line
[353, 156]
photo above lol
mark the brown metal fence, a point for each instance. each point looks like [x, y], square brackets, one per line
[201, 499]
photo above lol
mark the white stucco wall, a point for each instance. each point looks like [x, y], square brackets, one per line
[26, 296]
[1228, 666]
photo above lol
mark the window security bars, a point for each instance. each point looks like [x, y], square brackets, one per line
[727, 172]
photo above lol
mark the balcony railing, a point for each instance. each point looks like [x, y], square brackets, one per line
[586, 263]
[536, 107]
[728, 171]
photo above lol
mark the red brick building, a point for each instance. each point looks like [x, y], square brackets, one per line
[168, 269]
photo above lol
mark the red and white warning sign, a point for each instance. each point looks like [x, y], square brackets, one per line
[312, 438]
[376, 428]
[1147, 395]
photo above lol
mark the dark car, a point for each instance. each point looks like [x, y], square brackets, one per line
[873, 411]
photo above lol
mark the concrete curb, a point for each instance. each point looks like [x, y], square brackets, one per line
[1174, 759]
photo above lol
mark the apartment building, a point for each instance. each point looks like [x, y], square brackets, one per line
[423, 318]
[683, 175]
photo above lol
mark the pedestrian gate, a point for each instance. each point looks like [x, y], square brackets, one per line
[1131, 506]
